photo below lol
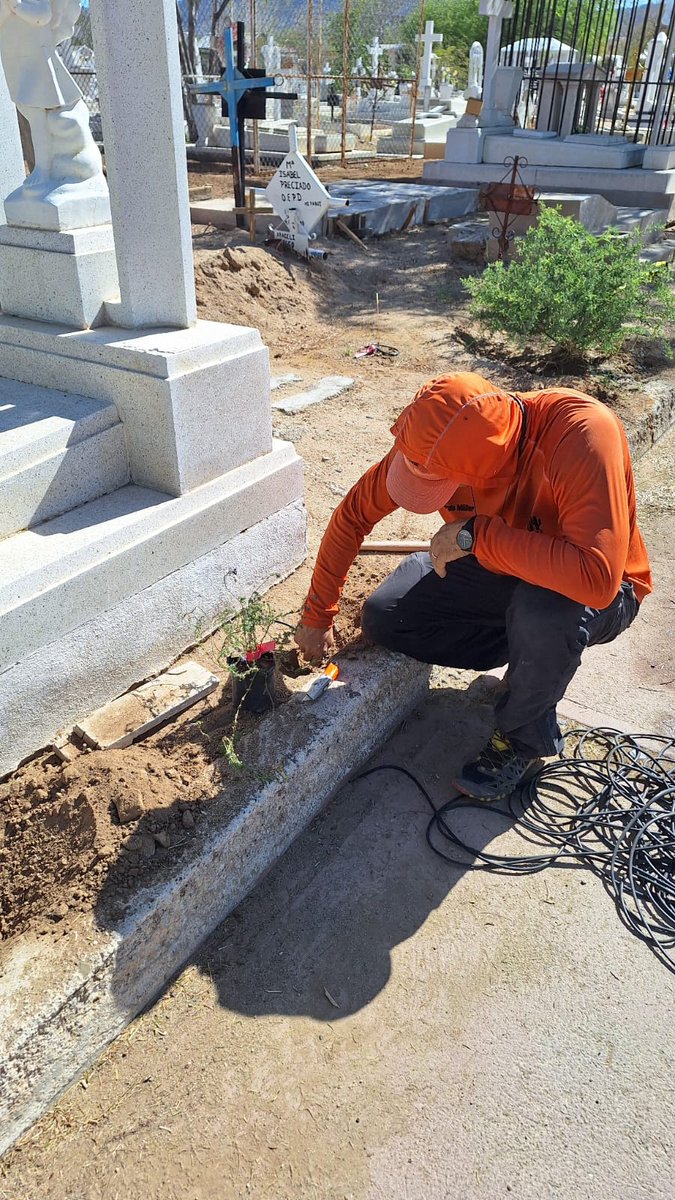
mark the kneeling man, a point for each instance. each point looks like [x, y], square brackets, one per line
[539, 556]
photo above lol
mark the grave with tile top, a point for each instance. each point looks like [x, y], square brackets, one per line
[142, 490]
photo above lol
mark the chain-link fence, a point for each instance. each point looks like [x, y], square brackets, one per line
[350, 77]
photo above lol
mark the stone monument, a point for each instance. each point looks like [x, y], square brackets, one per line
[272, 59]
[474, 89]
[652, 60]
[427, 40]
[501, 85]
[142, 490]
[67, 189]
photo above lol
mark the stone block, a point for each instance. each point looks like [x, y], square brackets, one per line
[659, 158]
[563, 152]
[36, 422]
[468, 241]
[194, 402]
[59, 482]
[127, 718]
[63, 278]
[54, 579]
[468, 145]
[649, 222]
[136, 630]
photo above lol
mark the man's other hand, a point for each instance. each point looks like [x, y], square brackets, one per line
[315, 644]
[444, 548]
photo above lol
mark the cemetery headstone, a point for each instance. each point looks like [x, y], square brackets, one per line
[427, 40]
[300, 199]
[67, 188]
[271, 53]
[474, 89]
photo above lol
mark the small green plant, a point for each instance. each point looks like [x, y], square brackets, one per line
[243, 630]
[582, 292]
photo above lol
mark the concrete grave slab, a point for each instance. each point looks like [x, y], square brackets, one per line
[631, 186]
[376, 208]
[564, 152]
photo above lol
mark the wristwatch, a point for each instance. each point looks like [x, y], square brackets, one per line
[465, 536]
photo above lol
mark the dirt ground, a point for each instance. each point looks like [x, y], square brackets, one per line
[60, 832]
[373, 1024]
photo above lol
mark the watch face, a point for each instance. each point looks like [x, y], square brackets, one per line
[464, 539]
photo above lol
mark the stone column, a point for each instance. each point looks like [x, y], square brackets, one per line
[138, 69]
[496, 11]
[11, 157]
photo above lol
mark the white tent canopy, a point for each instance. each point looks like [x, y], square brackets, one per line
[538, 51]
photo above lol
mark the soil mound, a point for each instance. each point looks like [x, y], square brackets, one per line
[250, 286]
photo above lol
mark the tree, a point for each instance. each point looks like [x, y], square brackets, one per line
[368, 19]
[459, 21]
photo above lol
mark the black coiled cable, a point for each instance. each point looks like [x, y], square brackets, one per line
[609, 805]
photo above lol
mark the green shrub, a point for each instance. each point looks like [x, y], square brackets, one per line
[581, 291]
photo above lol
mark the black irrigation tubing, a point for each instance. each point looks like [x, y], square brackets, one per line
[609, 806]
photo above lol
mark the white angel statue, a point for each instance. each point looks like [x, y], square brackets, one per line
[66, 156]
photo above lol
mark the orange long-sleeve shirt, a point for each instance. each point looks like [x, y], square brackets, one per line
[566, 521]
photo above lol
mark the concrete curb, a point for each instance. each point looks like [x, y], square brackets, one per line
[62, 1003]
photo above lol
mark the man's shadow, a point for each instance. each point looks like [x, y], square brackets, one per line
[316, 936]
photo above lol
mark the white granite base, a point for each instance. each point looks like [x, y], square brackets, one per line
[99, 631]
[62, 278]
[194, 402]
[468, 145]
[563, 152]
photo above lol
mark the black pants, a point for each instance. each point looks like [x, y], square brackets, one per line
[476, 619]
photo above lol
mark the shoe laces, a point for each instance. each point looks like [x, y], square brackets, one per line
[498, 750]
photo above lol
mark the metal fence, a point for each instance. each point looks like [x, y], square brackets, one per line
[595, 66]
[355, 71]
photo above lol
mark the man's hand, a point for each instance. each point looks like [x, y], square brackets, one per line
[315, 644]
[444, 548]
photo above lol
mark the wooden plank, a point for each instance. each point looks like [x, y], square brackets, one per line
[374, 547]
[344, 229]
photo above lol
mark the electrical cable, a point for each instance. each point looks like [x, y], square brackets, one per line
[608, 806]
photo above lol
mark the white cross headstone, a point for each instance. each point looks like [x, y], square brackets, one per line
[299, 198]
[496, 11]
[375, 51]
[428, 39]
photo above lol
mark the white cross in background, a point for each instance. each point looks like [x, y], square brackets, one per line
[496, 11]
[427, 40]
[375, 51]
